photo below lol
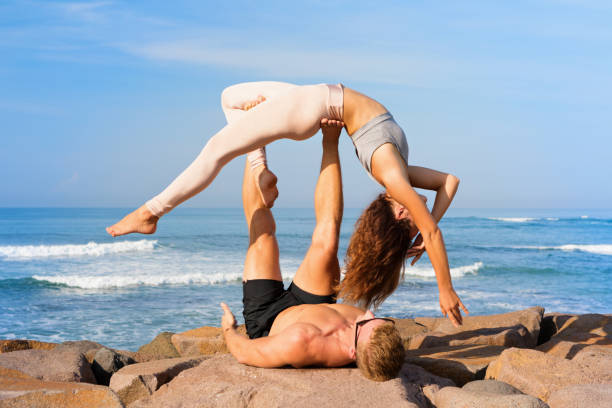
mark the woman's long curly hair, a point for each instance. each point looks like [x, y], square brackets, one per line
[375, 256]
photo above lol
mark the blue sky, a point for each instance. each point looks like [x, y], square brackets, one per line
[103, 103]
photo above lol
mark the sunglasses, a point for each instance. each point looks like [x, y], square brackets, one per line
[362, 322]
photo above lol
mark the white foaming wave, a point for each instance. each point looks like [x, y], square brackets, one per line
[601, 249]
[457, 272]
[122, 281]
[71, 250]
[552, 219]
[512, 219]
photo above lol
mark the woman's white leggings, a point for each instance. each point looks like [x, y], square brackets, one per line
[290, 111]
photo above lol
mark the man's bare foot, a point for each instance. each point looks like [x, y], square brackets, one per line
[265, 181]
[140, 220]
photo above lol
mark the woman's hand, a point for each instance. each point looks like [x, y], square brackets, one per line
[450, 304]
[416, 249]
[228, 321]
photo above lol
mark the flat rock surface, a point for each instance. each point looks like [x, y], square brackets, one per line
[539, 374]
[28, 393]
[201, 341]
[159, 348]
[596, 359]
[7, 346]
[140, 380]
[515, 329]
[452, 397]
[582, 396]
[59, 364]
[221, 381]
[462, 364]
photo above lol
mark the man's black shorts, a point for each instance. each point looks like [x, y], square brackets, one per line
[264, 299]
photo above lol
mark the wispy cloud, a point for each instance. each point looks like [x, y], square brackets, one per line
[289, 62]
[66, 184]
[91, 12]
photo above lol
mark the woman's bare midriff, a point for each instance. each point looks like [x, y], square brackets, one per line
[359, 109]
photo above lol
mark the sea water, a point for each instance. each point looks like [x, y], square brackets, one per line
[63, 278]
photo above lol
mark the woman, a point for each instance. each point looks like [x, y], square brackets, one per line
[297, 112]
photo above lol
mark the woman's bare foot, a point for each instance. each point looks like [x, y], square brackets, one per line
[265, 181]
[140, 220]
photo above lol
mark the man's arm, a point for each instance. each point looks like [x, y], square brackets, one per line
[290, 347]
[319, 273]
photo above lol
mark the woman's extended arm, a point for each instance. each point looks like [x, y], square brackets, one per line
[389, 168]
[445, 185]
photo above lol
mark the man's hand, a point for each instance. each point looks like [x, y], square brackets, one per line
[416, 249]
[331, 128]
[450, 304]
[228, 321]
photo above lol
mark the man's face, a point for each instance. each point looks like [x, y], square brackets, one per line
[364, 331]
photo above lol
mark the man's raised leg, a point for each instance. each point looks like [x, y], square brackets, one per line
[319, 272]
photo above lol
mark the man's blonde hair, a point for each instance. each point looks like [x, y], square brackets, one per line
[382, 357]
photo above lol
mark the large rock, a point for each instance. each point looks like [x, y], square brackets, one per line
[581, 396]
[550, 325]
[577, 332]
[7, 346]
[141, 380]
[106, 362]
[515, 329]
[53, 365]
[491, 387]
[408, 328]
[28, 393]
[539, 374]
[221, 381]
[429, 383]
[7, 372]
[82, 346]
[452, 397]
[461, 364]
[596, 359]
[201, 341]
[159, 348]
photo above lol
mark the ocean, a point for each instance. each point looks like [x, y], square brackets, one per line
[63, 278]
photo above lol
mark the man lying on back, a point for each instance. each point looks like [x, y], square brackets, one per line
[303, 325]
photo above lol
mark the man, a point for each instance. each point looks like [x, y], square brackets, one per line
[303, 326]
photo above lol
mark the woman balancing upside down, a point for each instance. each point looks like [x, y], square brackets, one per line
[384, 232]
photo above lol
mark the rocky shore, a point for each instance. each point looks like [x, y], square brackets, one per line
[520, 359]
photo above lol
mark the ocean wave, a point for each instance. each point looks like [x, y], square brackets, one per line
[455, 272]
[601, 249]
[71, 250]
[512, 219]
[123, 281]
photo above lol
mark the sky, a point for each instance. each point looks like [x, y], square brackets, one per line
[103, 103]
